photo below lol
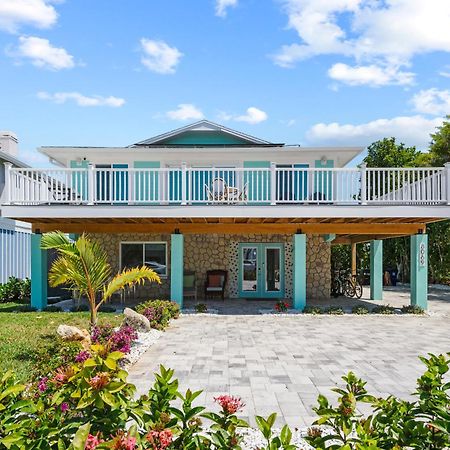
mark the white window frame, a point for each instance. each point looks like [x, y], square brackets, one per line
[143, 253]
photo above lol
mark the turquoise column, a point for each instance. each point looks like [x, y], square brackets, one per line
[376, 270]
[299, 297]
[419, 270]
[176, 268]
[38, 273]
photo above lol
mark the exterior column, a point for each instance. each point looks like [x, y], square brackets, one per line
[419, 270]
[376, 270]
[38, 273]
[354, 262]
[176, 268]
[299, 272]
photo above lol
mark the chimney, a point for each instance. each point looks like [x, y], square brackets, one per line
[9, 143]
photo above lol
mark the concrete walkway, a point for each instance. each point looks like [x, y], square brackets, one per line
[281, 363]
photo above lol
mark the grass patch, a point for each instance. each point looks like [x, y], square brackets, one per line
[24, 334]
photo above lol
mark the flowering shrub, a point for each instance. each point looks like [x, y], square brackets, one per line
[114, 340]
[159, 312]
[281, 306]
[90, 405]
[15, 290]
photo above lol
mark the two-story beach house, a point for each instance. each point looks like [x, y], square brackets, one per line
[206, 197]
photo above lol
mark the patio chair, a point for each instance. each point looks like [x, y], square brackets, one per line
[215, 283]
[219, 189]
[189, 284]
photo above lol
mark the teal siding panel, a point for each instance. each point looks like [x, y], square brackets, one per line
[323, 182]
[146, 184]
[79, 181]
[120, 182]
[258, 183]
[204, 138]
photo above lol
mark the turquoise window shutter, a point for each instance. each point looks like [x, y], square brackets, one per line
[323, 182]
[258, 184]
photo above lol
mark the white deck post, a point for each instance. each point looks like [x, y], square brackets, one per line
[363, 170]
[183, 184]
[91, 184]
[8, 183]
[273, 184]
[447, 181]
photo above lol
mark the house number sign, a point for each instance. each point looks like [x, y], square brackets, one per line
[422, 254]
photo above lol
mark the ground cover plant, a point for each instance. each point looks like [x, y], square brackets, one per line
[159, 312]
[88, 404]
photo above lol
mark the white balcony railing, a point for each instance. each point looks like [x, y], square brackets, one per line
[233, 186]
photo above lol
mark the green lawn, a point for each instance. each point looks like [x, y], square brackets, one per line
[23, 334]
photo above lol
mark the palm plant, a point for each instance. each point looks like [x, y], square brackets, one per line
[83, 265]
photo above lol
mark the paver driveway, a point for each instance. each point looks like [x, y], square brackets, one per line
[281, 363]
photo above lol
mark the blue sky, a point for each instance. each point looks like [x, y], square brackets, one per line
[328, 72]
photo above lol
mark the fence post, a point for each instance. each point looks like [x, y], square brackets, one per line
[91, 184]
[273, 184]
[363, 170]
[447, 181]
[183, 184]
[8, 190]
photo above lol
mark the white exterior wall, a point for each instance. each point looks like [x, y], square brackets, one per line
[15, 254]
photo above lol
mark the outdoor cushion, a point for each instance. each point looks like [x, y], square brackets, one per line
[189, 281]
[215, 281]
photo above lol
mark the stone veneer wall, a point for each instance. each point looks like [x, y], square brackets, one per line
[203, 252]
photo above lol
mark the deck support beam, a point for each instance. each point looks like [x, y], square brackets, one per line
[354, 262]
[176, 268]
[419, 270]
[38, 273]
[376, 270]
[299, 298]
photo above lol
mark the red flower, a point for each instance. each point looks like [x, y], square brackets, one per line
[229, 404]
[160, 439]
[92, 442]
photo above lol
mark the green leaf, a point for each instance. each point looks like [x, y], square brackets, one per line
[79, 440]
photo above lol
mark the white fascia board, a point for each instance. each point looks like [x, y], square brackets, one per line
[106, 155]
[247, 211]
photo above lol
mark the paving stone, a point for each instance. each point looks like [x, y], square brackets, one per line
[281, 364]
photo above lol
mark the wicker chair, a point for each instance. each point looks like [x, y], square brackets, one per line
[216, 281]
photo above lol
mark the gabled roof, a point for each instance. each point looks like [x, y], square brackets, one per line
[202, 128]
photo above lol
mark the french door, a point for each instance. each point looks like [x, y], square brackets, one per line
[261, 270]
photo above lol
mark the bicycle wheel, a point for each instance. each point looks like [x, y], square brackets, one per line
[335, 288]
[358, 288]
[348, 288]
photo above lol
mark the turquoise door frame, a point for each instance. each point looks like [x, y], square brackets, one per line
[260, 261]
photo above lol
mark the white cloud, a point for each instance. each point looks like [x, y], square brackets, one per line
[388, 32]
[371, 75]
[82, 100]
[159, 57]
[14, 13]
[185, 111]
[42, 53]
[223, 5]
[432, 101]
[412, 130]
[252, 116]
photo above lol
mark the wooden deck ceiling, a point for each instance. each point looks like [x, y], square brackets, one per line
[347, 230]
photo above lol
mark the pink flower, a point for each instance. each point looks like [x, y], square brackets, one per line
[64, 407]
[92, 442]
[229, 404]
[160, 439]
[82, 356]
[42, 384]
[122, 441]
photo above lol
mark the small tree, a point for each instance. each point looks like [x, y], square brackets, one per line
[83, 265]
